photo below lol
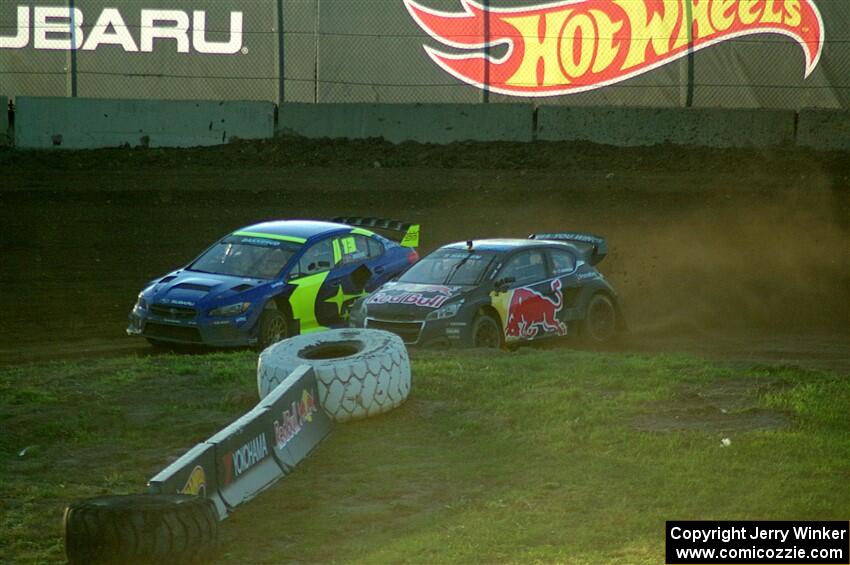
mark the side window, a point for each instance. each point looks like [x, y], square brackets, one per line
[376, 248]
[354, 248]
[563, 262]
[525, 267]
[319, 258]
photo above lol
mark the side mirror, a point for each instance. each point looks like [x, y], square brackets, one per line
[502, 284]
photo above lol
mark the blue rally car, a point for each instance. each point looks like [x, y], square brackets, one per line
[499, 293]
[269, 281]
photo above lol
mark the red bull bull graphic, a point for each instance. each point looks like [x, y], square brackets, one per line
[529, 313]
[574, 46]
[293, 419]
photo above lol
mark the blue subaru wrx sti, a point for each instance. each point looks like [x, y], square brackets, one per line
[269, 281]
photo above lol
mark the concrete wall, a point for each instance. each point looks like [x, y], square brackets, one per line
[824, 129]
[75, 123]
[4, 121]
[425, 123]
[712, 127]
[78, 123]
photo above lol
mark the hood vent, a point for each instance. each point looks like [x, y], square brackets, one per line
[241, 287]
[191, 286]
[168, 279]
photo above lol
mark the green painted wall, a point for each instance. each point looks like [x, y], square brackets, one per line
[78, 123]
[824, 129]
[4, 121]
[712, 127]
[425, 123]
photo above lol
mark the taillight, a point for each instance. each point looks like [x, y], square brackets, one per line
[413, 256]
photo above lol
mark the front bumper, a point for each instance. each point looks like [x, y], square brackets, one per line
[422, 332]
[219, 333]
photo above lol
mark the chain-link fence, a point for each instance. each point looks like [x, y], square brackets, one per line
[432, 51]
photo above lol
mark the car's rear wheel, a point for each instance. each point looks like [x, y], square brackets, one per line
[486, 332]
[274, 327]
[600, 325]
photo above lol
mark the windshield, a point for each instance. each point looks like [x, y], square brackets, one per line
[449, 266]
[243, 256]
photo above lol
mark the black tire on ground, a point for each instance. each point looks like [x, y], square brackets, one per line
[157, 344]
[141, 528]
[274, 327]
[486, 332]
[600, 323]
[359, 372]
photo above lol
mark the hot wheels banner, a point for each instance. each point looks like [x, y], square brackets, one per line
[579, 45]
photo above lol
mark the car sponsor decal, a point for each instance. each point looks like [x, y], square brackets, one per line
[528, 314]
[341, 299]
[291, 238]
[425, 296]
[574, 46]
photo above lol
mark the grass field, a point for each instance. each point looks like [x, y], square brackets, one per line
[536, 456]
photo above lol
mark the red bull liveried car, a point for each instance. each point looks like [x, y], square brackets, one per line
[499, 293]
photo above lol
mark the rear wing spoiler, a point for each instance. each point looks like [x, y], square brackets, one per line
[410, 237]
[592, 246]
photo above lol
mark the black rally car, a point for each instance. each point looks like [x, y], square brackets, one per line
[499, 292]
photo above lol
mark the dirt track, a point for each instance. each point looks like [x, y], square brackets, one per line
[737, 254]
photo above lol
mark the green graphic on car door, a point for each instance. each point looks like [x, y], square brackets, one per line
[303, 301]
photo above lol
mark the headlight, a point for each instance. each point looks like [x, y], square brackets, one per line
[141, 304]
[231, 310]
[447, 311]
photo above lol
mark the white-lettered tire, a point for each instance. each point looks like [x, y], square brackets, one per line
[141, 528]
[359, 372]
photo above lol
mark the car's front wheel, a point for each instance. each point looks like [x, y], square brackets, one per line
[273, 327]
[486, 332]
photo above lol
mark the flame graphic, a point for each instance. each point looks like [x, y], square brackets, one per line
[579, 45]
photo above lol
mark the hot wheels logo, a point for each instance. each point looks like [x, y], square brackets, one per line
[578, 45]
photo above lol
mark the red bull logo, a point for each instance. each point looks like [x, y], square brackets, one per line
[424, 296]
[293, 419]
[531, 313]
[578, 45]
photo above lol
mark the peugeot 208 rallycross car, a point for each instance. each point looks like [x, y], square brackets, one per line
[272, 280]
[499, 292]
